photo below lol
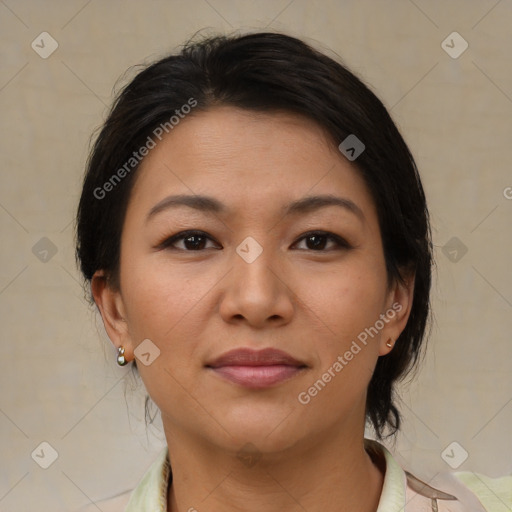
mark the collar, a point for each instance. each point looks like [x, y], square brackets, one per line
[150, 495]
[392, 498]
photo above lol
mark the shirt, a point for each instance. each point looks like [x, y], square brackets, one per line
[463, 491]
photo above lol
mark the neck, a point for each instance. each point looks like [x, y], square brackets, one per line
[334, 475]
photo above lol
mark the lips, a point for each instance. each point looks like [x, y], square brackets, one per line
[248, 357]
[256, 368]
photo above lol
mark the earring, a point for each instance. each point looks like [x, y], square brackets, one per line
[389, 343]
[121, 361]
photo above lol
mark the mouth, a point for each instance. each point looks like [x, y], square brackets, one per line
[256, 369]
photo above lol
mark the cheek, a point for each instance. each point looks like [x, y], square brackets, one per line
[164, 305]
[347, 300]
[160, 297]
[342, 305]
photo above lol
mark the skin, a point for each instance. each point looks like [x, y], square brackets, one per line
[195, 305]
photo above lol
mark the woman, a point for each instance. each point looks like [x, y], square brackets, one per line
[257, 241]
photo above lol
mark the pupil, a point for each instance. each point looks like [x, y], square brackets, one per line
[318, 244]
[192, 245]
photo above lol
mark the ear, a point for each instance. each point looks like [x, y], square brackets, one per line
[397, 311]
[111, 307]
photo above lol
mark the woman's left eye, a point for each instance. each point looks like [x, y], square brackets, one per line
[318, 240]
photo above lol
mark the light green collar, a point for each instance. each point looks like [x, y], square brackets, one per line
[150, 495]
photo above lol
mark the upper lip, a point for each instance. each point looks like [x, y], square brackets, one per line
[250, 357]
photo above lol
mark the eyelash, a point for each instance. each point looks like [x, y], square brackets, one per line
[168, 243]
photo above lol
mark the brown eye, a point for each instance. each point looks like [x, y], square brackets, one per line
[192, 241]
[317, 241]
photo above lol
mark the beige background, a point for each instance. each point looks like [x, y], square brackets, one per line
[58, 378]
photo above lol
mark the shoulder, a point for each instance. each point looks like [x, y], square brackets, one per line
[460, 492]
[149, 495]
[494, 493]
[445, 492]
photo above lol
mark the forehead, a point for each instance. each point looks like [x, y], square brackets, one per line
[247, 158]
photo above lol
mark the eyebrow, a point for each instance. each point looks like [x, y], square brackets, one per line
[211, 205]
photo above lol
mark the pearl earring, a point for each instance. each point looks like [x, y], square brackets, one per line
[121, 361]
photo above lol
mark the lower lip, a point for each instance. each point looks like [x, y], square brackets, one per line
[258, 377]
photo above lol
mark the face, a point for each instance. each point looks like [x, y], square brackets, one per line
[255, 266]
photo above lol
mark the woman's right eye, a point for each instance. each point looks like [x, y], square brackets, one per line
[191, 241]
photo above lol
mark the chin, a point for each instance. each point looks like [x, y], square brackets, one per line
[260, 444]
[270, 429]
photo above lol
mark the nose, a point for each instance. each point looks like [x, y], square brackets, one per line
[256, 292]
